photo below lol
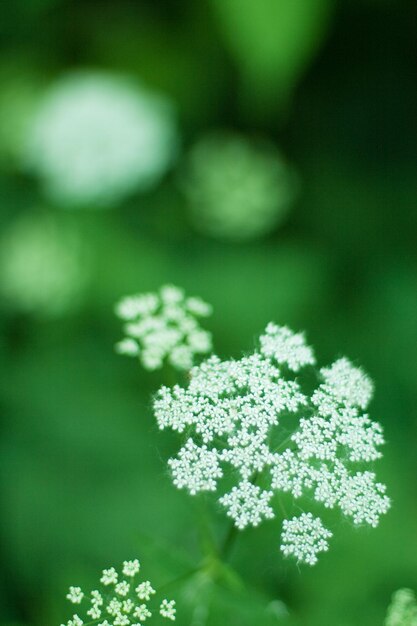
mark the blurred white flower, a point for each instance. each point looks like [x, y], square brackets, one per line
[98, 137]
[403, 609]
[270, 426]
[237, 189]
[44, 265]
[164, 326]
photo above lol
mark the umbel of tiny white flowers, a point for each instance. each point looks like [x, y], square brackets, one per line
[238, 413]
[403, 609]
[121, 600]
[164, 326]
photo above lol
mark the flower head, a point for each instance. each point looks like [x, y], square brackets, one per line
[96, 597]
[304, 537]
[131, 568]
[196, 468]
[348, 384]
[164, 326]
[75, 621]
[75, 595]
[247, 504]
[109, 576]
[122, 588]
[122, 605]
[403, 609]
[142, 612]
[258, 416]
[238, 189]
[286, 347]
[145, 590]
[97, 137]
[167, 609]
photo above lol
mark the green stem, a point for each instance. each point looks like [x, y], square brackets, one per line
[180, 578]
[228, 542]
[208, 542]
[233, 531]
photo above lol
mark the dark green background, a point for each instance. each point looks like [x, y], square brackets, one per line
[83, 468]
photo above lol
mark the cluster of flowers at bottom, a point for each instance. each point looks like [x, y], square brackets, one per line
[163, 327]
[260, 417]
[122, 600]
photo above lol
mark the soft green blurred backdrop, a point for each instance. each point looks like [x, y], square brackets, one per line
[331, 84]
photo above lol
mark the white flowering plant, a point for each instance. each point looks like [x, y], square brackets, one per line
[270, 433]
[121, 600]
[263, 419]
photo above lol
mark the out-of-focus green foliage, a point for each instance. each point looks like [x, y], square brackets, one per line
[21, 89]
[273, 42]
[44, 264]
[83, 467]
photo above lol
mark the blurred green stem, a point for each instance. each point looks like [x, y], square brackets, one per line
[181, 578]
[232, 533]
[229, 542]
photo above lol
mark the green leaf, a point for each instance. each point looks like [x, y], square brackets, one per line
[273, 42]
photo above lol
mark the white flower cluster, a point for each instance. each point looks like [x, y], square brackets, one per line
[247, 504]
[238, 189]
[403, 609]
[259, 416]
[96, 137]
[285, 347]
[304, 537]
[119, 602]
[164, 326]
[199, 465]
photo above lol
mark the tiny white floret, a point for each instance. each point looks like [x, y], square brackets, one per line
[131, 568]
[75, 595]
[167, 609]
[109, 576]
